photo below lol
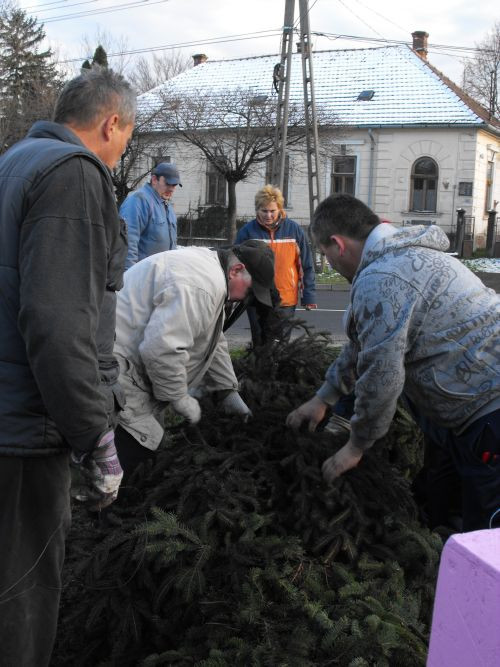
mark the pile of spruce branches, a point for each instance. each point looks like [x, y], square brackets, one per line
[230, 550]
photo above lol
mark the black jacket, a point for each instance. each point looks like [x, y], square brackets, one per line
[62, 252]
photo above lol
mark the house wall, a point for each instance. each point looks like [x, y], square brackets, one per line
[487, 149]
[384, 160]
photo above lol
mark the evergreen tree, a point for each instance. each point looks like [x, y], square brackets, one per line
[29, 82]
[99, 59]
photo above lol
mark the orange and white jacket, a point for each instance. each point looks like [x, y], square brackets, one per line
[293, 265]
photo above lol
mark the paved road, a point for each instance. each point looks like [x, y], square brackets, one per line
[331, 307]
[328, 317]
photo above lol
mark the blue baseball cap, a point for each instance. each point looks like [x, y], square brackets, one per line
[169, 172]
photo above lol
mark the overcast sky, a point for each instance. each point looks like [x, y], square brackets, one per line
[149, 24]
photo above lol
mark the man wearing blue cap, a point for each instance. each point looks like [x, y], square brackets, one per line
[150, 217]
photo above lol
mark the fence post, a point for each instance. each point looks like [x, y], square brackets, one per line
[459, 241]
[490, 233]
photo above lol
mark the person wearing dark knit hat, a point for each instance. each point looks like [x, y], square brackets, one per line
[150, 216]
[169, 337]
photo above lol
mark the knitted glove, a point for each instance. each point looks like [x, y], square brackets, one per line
[233, 404]
[188, 407]
[98, 474]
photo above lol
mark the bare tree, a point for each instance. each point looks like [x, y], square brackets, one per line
[234, 130]
[144, 148]
[481, 73]
[115, 48]
[147, 73]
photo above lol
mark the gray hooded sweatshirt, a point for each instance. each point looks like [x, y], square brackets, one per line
[421, 323]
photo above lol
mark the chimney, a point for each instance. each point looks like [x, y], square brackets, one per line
[420, 43]
[199, 58]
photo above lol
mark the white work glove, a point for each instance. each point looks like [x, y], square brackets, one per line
[188, 407]
[233, 404]
[98, 474]
[198, 392]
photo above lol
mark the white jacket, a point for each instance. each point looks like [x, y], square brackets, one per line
[169, 336]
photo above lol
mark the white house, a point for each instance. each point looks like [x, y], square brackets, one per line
[413, 145]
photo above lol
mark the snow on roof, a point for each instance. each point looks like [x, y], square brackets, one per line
[407, 91]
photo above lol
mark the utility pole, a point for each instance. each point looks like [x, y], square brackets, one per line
[282, 76]
[312, 142]
[281, 80]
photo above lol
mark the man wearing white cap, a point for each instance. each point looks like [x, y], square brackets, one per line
[149, 214]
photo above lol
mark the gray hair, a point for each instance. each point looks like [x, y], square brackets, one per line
[93, 94]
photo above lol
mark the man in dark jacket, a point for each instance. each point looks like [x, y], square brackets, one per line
[62, 252]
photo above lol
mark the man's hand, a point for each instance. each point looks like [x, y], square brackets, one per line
[312, 412]
[233, 404]
[346, 458]
[100, 474]
[188, 407]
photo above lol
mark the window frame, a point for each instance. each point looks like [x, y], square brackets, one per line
[343, 175]
[490, 179]
[215, 186]
[426, 179]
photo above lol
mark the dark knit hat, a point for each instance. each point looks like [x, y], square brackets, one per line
[258, 259]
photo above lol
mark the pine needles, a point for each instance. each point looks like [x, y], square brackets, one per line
[230, 550]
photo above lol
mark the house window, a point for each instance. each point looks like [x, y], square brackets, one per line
[216, 187]
[424, 178]
[490, 171]
[286, 176]
[343, 176]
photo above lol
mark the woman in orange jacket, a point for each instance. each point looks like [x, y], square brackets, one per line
[293, 264]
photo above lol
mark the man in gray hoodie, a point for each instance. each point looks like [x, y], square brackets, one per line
[421, 326]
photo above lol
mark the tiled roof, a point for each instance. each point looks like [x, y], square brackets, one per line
[407, 90]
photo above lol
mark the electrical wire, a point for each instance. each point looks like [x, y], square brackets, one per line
[274, 33]
[75, 4]
[180, 45]
[359, 17]
[382, 17]
[104, 10]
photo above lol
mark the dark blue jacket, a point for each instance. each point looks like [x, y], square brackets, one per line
[62, 251]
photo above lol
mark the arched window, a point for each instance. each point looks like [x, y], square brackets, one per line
[424, 180]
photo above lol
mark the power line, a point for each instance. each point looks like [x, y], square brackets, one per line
[166, 47]
[58, 2]
[104, 10]
[442, 48]
[43, 4]
[359, 17]
[382, 16]
[381, 40]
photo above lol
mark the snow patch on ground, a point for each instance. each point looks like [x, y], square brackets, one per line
[485, 264]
